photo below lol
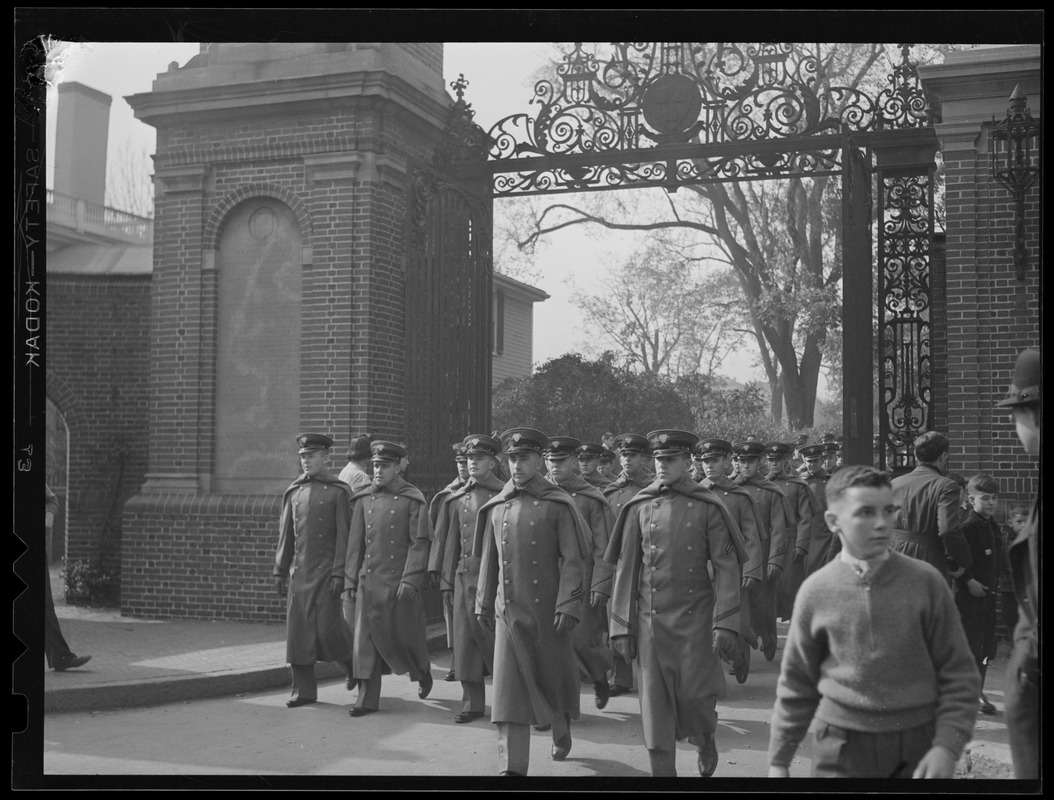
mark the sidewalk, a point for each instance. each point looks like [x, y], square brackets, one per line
[139, 662]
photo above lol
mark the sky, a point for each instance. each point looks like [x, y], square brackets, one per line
[500, 83]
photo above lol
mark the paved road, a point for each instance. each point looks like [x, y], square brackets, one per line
[255, 734]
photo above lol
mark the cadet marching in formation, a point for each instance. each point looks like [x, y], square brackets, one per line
[555, 575]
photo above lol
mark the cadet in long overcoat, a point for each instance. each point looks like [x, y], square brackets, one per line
[929, 519]
[385, 572]
[589, 457]
[473, 644]
[436, 509]
[775, 536]
[312, 536]
[532, 542]
[665, 600]
[632, 448]
[713, 455]
[589, 637]
[803, 510]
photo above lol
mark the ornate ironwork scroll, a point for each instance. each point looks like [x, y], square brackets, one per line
[651, 94]
[904, 293]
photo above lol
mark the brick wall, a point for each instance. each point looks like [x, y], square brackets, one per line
[97, 377]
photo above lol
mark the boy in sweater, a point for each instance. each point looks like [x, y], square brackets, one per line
[876, 653]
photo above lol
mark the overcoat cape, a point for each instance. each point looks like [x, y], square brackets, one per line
[774, 543]
[803, 507]
[473, 645]
[531, 541]
[663, 543]
[390, 537]
[750, 524]
[312, 540]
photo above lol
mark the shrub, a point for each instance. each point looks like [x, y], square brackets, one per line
[89, 583]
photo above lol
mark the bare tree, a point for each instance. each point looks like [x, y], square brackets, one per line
[129, 185]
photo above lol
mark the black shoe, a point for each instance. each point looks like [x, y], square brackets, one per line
[424, 686]
[511, 774]
[545, 727]
[562, 747]
[352, 683]
[359, 711]
[296, 702]
[986, 706]
[450, 676]
[616, 690]
[467, 716]
[707, 756]
[72, 663]
[602, 691]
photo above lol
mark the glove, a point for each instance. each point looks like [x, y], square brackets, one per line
[724, 642]
[750, 584]
[486, 622]
[625, 646]
[406, 591]
[597, 599]
[336, 586]
[773, 572]
[279, 585]
[799, 555]
[563, 622]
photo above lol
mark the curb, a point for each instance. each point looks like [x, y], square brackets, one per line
[135, 694]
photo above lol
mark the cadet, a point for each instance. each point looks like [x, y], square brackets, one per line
[589, 637]
[775, 532]
[532, 542]
[803, 509]
[831, 450]
[383, 576]
[820, 539]
[607, 464]
[631, 448]
[473, 645]
[672, 616]
[312, 538]
[713, 456]
[435, 552]
[589, 456]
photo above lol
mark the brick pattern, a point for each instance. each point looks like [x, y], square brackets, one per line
[97, 377]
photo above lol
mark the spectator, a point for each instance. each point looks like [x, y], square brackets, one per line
[875, 652]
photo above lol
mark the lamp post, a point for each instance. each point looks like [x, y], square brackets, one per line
[1010, 149]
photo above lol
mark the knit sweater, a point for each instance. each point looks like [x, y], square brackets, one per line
[878, 653]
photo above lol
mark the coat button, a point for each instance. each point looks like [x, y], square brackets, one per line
[689, 547]
[535, 583]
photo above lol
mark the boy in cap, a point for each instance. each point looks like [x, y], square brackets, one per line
[772, 505]
[631, 449]
[436, 509]
[875, 652]
[820, 536]
[666, 610]
[589, 636]
[589, 456]
[383, 576]
[308, 571]
[713, 456]
[472, 644]
[803, 508]
[1023, 672]
[532, 542]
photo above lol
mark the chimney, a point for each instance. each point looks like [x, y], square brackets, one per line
[81, 131]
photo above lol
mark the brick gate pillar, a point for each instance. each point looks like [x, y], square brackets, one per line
[278, 290]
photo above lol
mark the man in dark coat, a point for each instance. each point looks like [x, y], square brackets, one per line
[632, 448]
[436, 509]
[312, 537]
[775, 539]
[589, 637]
[929, 522]
[1023, 672]
[803, 508]
[713, 455]
[666, 610]
[384, 572]
[532, 542]
[473, 644]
